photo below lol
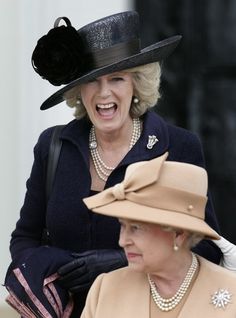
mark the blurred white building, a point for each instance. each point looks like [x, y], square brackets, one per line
[22, 91]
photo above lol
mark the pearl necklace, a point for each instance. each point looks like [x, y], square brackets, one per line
[103, 171]
[167, 304]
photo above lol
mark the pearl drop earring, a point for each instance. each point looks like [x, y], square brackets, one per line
[78, 102]
[135, 100]
[176, 248]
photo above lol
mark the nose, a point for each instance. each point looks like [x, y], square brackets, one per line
[104, 88]
[124, 239]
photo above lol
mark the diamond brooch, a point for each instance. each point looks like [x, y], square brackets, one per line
[152, 140]
[221, 298]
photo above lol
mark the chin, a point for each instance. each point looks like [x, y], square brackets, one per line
[136, 267]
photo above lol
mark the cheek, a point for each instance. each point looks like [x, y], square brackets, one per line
[156, 257]
[125, 91]
[129, 95]
[161, 246]
[126, 101]
[86, 93]
[84, 98]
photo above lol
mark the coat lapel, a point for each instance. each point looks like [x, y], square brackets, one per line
[140, 304]
[153, 126]
[208, 282]
[131, 293]
[77, 132]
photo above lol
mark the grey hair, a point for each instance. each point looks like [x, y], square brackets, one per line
[192, 239]
[146, 80]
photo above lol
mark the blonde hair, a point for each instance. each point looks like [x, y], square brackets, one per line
[146, 80]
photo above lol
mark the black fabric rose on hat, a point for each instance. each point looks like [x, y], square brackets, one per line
[58, 55]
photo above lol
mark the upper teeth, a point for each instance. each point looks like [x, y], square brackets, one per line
[105, 106]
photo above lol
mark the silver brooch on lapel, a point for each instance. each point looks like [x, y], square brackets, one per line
[221, 298]
[152, 140]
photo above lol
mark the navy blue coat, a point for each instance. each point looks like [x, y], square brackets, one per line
[70, 224]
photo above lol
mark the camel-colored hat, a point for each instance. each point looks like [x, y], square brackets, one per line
[159, 191]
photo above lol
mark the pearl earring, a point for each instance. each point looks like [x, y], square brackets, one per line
[78, 102]
[176, 248]
[135, 100]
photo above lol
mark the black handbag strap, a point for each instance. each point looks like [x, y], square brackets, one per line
[53, 156]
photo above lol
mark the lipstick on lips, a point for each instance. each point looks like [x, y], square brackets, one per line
[131, 256]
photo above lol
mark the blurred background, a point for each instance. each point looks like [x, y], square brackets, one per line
[199, 85]
[198, 91]
[22, 23]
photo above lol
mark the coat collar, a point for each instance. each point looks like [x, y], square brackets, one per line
[153, 125]
[77, 132]
[211, 278]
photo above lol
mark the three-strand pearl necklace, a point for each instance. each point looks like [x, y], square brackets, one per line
[167, 304]
[103, 171]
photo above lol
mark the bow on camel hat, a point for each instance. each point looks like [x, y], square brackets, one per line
[159, 191]
[70, 57]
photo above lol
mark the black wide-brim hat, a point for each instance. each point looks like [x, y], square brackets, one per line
[111, 44]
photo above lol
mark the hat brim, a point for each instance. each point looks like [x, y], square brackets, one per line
[153, 53]
[131, 210]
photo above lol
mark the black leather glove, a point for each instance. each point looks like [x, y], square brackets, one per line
[79, 274]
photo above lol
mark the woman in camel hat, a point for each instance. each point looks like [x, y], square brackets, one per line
[161, 208]
[112, 82]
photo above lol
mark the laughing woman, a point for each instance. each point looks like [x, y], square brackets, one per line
[112, 83]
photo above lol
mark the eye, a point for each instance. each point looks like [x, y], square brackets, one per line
[117, 79]
[135, 227]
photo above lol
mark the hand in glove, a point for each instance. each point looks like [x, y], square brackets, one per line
[79, 274]
[229, 253]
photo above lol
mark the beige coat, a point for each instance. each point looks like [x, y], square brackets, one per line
[125, 294]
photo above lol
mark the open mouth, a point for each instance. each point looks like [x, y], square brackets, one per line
[106, 109]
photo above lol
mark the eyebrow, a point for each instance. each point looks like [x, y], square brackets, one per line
[118, 73]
